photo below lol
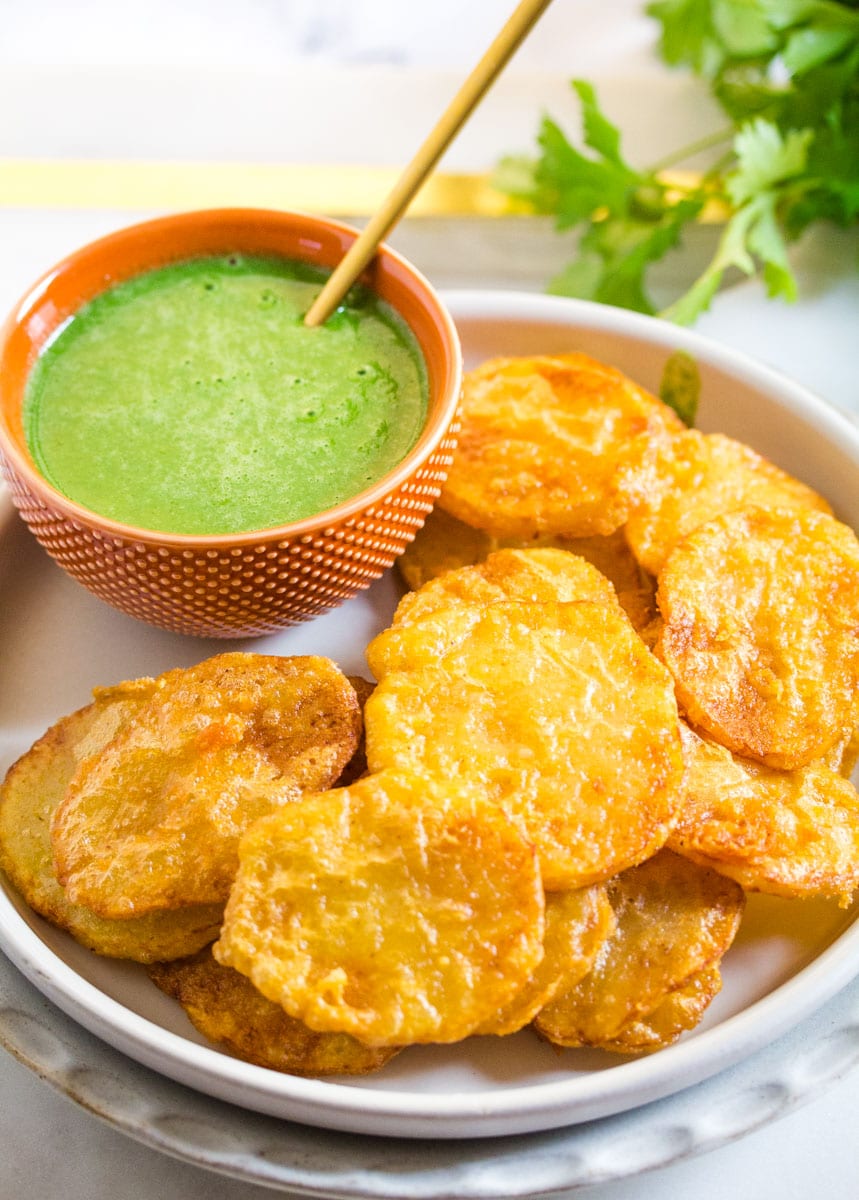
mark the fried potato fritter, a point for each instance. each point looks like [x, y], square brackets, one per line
[702, 476]
[226, 1008]
[396, 910]
[577, 924]
[33, 788]
[556, 712]
[552, 444]
[535, 575]
[674, 920]
[761, 631]
[680, 1011]
[790, 833]
[445, 544]
[843, 757]
[635, 589]
[357, 764]
[153, 822]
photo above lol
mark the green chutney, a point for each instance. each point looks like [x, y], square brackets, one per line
[192, 399]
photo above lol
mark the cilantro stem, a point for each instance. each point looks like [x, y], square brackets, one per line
[717, 138]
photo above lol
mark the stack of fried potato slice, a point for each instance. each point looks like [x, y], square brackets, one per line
[370, 910]
[122, 823]
[32, 790]
[757, 603]
[586, 758]
[746, 588]
[517, 672]
[620, 694]
[656, 973]
[152, 822]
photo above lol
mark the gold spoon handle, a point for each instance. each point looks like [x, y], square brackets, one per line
[457, 113]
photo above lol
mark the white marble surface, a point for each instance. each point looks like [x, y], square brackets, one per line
[572, 34]
[203, 79]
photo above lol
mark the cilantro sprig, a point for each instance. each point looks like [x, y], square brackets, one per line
[786, 72]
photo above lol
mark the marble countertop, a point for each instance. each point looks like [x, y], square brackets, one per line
[312, 81]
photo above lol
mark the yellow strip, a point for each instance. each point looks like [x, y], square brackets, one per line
[355, 191]
[334, 190]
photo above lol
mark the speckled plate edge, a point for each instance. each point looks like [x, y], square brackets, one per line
[508, 1112]
[305, 1161]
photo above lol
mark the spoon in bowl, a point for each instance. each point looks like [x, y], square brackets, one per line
[514, 31]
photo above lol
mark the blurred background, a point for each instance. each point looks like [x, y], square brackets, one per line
[196, 104]
[114, 112]
[276, 32]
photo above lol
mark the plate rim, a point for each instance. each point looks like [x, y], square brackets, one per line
[191, 1127]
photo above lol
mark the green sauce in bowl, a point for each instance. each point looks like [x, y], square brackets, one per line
[192, 399]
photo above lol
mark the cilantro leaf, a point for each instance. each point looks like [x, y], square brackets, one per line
[689, 37]
[766, 158]
[630, 218]
[786, 73]
[581, 184]
[597, 131]
[680, 386]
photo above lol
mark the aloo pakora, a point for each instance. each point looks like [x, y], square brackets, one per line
[556, 712]
[679, 1012]
[399, 910]
[227, 1009]
[790, 833]
[552, 444]
[31, 791]
[577, 924]
[445, 544]
[674, 921]
[702, 476]
[535, 575]
[760, 632]
[520, 830]
[153, 821]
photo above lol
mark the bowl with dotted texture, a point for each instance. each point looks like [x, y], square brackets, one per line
[238, 584]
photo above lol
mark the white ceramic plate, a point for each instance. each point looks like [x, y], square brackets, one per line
[57, 642]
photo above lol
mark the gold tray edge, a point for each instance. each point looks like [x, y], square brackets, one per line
[331, 189]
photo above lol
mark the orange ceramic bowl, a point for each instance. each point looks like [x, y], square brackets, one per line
[231, 585]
